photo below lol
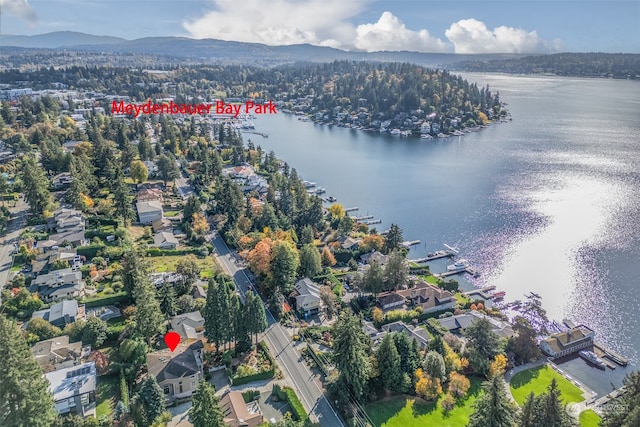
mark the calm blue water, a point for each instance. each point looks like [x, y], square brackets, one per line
[546, 203]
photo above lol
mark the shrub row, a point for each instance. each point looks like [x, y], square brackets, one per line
[289, 395]
[124, 390]
[110, 300]
[266, 375]
[153, 252]
[250, 395]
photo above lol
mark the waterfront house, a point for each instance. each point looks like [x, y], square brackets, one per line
[428, 297]
[308, 298]
[62, 313]
[74, 389]
[390, 300]
[569, 342]
[349, 243]
[177, 372]
[237, 413]
[457, 324]
[149, 211]
[369, 257]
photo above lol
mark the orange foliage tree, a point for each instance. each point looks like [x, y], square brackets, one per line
[458, 384]
[260, 256]
[427, 387]
[498, 366]
[327, 257]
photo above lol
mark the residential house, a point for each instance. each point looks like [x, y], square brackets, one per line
[57, 353]
[74, 389]
[44, 262]
[369, 257]
[70, 146]
[390, 300]
[188, 325]
[569, 342]
[349, 243]
[162, 224]
[165, 240]
[459, 323]
[420, 334]
[178, 372]
[59, 284]
[149, 194]
[62, 180]
[149, 211]
[308, 298]
[62, 313]
[65, 219]
[198, 289]
[246, 177]
[159, 279]
[237, 413]
[428, 297]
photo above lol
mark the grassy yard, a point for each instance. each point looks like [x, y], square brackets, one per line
[107, 396]
[165, 263]
[432, 279]
[404, 411]
[537, 380]
[589, 418]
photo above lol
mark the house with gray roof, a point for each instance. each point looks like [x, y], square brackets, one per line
[149, 211]
[74, 389]
[177, 372]
[188, 325]
[308, 298]
[58, 285]
[459, 323]
[57, 353]
[62, 313]
[413, 332]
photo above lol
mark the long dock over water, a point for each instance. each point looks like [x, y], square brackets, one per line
[445, 253]
[471, 271]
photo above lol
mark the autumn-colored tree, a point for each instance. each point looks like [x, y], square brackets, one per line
[427, 387]
[448, 402]
[372, 242]
[199, 224]
[458, 384]
[327, 257]
[336, 211]
[479, 306]
[498, 365]
[139, 171]
[260, 257]
[377, 314]
[101, 360]
[473, 307]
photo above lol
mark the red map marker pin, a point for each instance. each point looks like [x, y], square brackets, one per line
[172, 339]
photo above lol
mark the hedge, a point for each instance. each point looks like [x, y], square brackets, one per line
[154, 252]
[124, 390]
[266, 375]
[297, 410]
[110, 300]
[250, 395]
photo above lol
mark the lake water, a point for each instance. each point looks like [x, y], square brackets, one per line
[549, 202]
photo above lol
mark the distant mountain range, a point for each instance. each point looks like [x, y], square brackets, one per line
[227, 51]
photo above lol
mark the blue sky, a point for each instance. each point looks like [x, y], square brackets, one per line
[421, 25]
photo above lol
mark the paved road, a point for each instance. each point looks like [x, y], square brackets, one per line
[11, 236]
[287, 357]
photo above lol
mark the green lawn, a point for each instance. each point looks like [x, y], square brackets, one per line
[537, 380]
[107, 395]
[589, 418]
[160, 264]
[432, 279]
[404, 411]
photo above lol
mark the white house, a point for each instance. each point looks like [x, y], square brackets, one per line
[149, 211]
[308, 298]
[74, 389]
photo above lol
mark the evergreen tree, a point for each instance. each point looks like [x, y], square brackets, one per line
[524, 343]
[167, 299]
[148, 318]
[389, 364]
[148, 403]
[493, 407]
[35, 185]
[551, 409]
[396, 271]
[483, 346]
[306, 236]
[350, 355]
[528, 415]
[214, 320]
[255, 315]
[206, 410]
[393, 239]
[122, 199]
[284, 265]
[374, 278]
[167, 168]
[433, 365]
[94, 331]
[409, 352]
[310, 261]
[24, 397]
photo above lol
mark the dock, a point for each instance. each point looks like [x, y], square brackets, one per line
[468, 270]
[410, 243]
[610, 354]
[262, 134]
[351, 209]
[482, 292]
[445, 253]
[372, 221]
[361, 218]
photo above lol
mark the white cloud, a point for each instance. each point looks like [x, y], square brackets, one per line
[318, 22]
[19, 8]
[389, 33]
[473, 36]
[281, 22]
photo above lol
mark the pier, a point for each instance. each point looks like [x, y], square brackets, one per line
[372, 221]
[468, 270]
[410, 243]
[264, 135]
[445, 253]
[351, 209]
[610, 354]
[360, 218]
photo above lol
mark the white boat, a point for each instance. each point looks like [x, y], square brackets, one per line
[591, 357]
[405, 133]
[395, 132]
[458, 265]
[308, 184]
[320, 190]
[426, 136]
